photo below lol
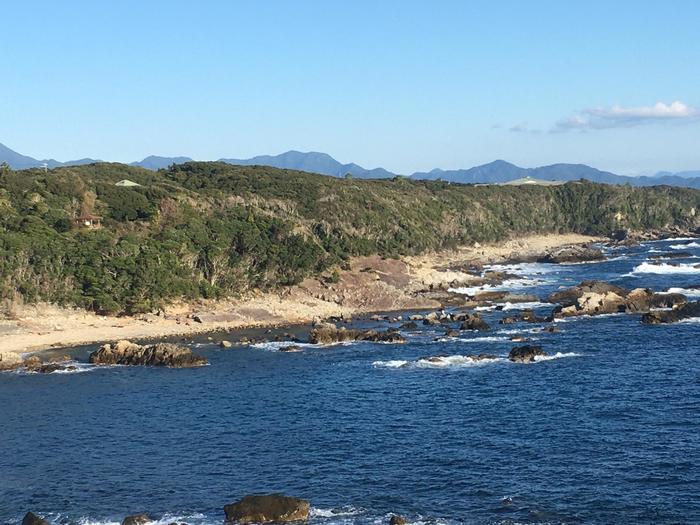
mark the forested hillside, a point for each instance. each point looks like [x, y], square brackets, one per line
[212, 229]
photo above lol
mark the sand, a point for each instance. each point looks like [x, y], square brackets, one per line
[371, 285]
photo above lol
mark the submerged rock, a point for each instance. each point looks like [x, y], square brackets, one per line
[397, 520]
[525, 354]
[32, 519]
[160, 354]
[686, 311]
[268, 508]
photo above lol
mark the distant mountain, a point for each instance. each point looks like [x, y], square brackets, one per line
[501, 171]
[495, 172]
[154, 162]
[683, 174]
[313, 162]
[18, 161]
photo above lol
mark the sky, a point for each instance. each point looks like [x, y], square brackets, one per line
[405, 85]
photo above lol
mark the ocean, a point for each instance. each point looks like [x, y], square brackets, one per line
[604, 430]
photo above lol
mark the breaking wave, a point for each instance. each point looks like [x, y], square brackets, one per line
[693, 244]
[665, 268]
[688, 292]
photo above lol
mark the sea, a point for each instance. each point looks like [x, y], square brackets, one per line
[603, 430]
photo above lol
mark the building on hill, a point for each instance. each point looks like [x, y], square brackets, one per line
[127, 183]
[88, 221]
[531, 181]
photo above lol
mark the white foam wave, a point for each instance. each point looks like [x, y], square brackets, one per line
[665, 268]
[688, 292]
[451, 361]
[277, 345]
[690, 320]
[558, 355]
[527, 305]
[693, 244]
[316, 512]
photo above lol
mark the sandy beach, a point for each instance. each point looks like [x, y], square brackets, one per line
[370, 285]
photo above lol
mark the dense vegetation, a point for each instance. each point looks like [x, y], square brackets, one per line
[212, 229]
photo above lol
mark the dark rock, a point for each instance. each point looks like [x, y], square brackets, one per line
[137, 519]
[291, 348]
[474, 322]
[572, 254]
[686, 311]
[328, 333]
[525, 354]
[529, 316]
[671, 255]
[54, 367]
[32, 519]
[397, 520]
[265, 509]
[381, 337]
[410, 325]
[160, 354]
[452, 333]
[509, 320]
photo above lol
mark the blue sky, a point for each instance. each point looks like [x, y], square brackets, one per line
[404, 85]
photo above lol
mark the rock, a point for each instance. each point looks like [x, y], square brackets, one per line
[569, 296]
[328, 333]
[474, 322]
[32, 363]
[137, 519]
[572, 254]
[265, 509]
[397, 520]
[32, 519]
[591, 303]
[511, 319]
[160, 354]
[518, 338]
[525, 354]
[54, 367]
[381, 337]
[483, 297]
[225, 344]
[529, 316]
[415, 317]
[291, 348]
[686, 311]
[10, 361]
[410, 325]
[452, 333]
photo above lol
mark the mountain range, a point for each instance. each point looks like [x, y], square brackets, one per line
[315, 162]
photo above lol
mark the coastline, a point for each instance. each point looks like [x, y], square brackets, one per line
[371, 285]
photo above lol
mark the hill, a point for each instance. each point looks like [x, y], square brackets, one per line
[200, 230]
[313, 162]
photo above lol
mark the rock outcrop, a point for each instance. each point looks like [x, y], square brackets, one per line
[474, 322]
[686, 311]
[525, 354]
[160, 354]
[397, 520]
[137, 519]
[32, 519]
[10, 361]
[572, 254]
[271, 508]
[599, 297]
[328, 333]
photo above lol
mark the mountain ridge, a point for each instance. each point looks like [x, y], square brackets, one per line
[497, 171]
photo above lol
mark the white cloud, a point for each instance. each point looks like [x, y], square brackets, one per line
[523, 128]
[620, 116]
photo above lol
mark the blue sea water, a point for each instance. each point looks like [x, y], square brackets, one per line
[606, 431]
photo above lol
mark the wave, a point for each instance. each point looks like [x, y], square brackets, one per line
[558, 355]
[693, 244]
[192, 519]
[521, 306]
[316, 512]
[688, 292]
[484, 339]
[450, 361]
[275, 346]
[76, 368]
[665, 268]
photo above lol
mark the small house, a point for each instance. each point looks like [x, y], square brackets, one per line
[88, 221]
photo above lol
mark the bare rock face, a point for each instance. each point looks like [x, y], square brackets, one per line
[525, 354]
[271, 508]
[32, 519]
[686, 311]
[9, 361]
[160, 354]
[591, 303]
[569, 296]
